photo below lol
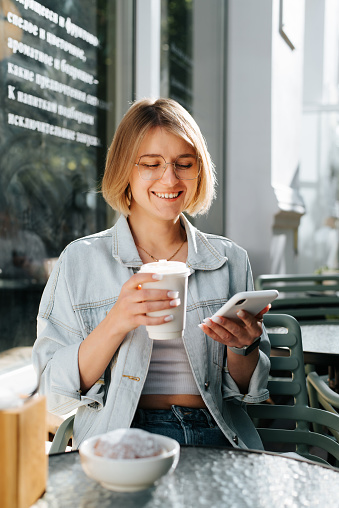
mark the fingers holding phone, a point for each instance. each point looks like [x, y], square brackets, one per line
[233, 333]
[239, 322]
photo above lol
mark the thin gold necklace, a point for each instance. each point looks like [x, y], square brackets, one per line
[155, 259]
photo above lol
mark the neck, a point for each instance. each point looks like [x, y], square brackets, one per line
[160, 239]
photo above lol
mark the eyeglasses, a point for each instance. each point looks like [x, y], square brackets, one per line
[153, 167]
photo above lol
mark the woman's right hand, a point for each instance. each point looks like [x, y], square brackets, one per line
[129, 312]
[135, 302]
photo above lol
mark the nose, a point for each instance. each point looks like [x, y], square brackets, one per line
[169, 175]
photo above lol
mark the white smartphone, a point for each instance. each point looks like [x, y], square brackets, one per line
[251, 301]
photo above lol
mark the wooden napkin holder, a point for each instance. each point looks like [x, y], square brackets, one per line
[23, 459]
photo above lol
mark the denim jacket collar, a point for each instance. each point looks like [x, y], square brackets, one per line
[202, 255]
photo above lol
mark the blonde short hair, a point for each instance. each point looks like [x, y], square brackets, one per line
[142, 116]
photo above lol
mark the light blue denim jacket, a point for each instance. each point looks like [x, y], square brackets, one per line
[83, 287]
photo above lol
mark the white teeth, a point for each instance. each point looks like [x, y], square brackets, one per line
[166, 195]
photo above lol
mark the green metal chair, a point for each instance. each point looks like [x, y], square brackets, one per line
[321, 395]
[287, 377]
[310, 298]
[62, 436]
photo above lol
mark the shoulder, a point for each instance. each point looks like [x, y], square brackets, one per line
[94, 241]
[217, 241]
[90, 239]
[225, 246]
[86, 251]
[208, 251]
[222, 242]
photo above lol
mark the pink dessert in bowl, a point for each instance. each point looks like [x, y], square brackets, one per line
[128, 460]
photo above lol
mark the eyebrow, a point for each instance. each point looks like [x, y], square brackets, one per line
[159, 155]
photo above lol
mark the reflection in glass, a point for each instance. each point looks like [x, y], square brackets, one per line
[53, 143]
[176, 51]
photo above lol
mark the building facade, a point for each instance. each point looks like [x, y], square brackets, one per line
[260, 78]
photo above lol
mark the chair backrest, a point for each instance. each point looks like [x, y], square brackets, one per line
[310, 298]
[287, 376]
[290, 424]
[305, 283]
[321, 395]
[62, 436]
[305, 442]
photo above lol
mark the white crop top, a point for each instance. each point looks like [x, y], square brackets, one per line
[169, 371]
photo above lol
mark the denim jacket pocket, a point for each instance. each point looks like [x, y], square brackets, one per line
[91, 314]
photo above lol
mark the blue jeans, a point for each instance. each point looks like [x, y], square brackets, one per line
[188, 426]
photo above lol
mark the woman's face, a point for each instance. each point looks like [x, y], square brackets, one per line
[165, 198]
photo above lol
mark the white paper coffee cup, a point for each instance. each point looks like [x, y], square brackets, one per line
[175, 277]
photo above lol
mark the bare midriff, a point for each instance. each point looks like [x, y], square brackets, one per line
[159, 401]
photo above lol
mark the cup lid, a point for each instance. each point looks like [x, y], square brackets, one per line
[165, 267]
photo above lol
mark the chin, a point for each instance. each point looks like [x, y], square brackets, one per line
[169, 216]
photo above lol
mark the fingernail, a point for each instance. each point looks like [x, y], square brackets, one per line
[173, 294]
[201, 326]
[169, 318]
[240, 313]
[175, 303]
[157, 276]
[207, 321]
[216, 319]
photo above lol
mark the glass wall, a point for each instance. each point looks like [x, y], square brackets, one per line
[57, 66]
[318, 245]
[319, 187]
[67, 76]
[193, 72]
[176, 51]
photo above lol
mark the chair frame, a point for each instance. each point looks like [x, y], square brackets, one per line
[321, 395]
[62, 436]
[298, 283]
[285, 333]
[301, 436]
[306, 297]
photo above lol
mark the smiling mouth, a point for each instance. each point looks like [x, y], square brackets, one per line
[167, 195]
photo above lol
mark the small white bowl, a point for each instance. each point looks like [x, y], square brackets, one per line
[129, 475]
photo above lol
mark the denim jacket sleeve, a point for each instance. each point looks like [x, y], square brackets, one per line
[257, 390]
[55, 352]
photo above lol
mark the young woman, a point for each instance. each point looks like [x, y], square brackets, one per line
[93, 352]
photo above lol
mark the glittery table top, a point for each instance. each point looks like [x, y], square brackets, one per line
[204, 477]
[321, 338]
[321, 341]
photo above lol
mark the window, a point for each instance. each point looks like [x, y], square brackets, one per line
[176, 51]
[193, 63]
[57, 114]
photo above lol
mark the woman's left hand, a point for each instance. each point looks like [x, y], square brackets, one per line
[233, 333]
